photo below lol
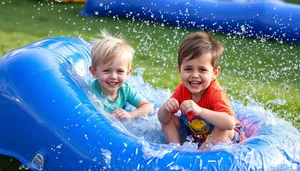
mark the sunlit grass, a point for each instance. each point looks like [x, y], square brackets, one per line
[257, 71]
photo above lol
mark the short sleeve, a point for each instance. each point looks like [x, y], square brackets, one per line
[133, 97]
[221, 102]
[176, 93]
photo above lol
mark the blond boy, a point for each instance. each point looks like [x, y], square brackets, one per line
[111, 65]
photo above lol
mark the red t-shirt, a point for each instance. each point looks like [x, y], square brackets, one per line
[215, 98]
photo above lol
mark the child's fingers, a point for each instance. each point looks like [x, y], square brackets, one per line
[114, 112]
[118, 113]
[189, 106]
[175, 103]
[121, 115]
[188, 109]
[172, 105]
[185, 108]
[182, 108]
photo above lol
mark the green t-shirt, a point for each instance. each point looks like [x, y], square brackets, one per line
[126, 93]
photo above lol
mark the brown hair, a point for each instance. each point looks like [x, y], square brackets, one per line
[197, 44]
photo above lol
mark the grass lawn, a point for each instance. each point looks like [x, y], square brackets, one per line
[259, 71]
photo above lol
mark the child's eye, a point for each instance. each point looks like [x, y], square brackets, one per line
[120, 71]
[188, 69]
[106, 71]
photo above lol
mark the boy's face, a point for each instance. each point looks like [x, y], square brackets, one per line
[197, 74]
[111, 76]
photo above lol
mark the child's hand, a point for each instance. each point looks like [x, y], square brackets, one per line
[121, 114]
[190, 106]
[171, 105]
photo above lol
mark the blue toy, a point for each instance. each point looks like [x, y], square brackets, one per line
[264, 19]
[49, 122]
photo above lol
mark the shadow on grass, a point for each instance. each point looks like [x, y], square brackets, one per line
[8, 163]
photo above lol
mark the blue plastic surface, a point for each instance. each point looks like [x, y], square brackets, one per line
[49, 121]
[267, 19]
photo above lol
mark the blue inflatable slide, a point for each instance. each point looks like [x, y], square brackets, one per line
[49, 119]
[49, 122]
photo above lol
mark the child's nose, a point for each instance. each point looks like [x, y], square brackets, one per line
[195, 73]
[113, 75]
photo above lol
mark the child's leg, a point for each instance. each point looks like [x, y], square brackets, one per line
[170, 130]
[217, 135]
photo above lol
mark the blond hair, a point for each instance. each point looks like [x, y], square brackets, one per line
[197, 44]
[107, 48]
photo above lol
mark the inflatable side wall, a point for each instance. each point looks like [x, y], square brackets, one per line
[269, 19]
[49, 122]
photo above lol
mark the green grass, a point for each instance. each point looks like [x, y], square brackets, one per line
[252, 70]
[9, 164]
[293, 1]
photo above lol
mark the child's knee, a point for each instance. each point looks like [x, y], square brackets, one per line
[174, 121]
[221, 135]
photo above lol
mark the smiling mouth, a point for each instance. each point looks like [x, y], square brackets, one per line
[112, 83]
[194, 83]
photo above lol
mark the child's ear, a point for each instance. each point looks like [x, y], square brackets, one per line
[93, 71]
[129, 71]
[216, 72]
[178, 69]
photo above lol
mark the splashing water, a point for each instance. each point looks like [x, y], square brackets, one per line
[259, 124]
[147, 129]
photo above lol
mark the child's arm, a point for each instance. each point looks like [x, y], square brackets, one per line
[166, 111]
[221, 120]
[168, 121]
[144, 108]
